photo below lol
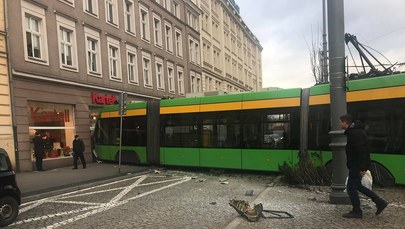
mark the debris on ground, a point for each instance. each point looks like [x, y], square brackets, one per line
[254, 213]
[249, 193]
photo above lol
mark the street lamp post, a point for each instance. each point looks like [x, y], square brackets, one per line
[338, 108]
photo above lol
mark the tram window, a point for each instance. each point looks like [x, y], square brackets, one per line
[181, 131]
[267, 129]
[221, 129]
[384, 123]
[319, 127]
[108, 131]
[134, 131]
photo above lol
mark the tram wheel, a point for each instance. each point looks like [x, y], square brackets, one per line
[381, 176]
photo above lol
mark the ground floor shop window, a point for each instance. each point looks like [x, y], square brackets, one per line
[55, 124]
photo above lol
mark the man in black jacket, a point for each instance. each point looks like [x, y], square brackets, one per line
[78, 149]
[358, 162]
[38, 150]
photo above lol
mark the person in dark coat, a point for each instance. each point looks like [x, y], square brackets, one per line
[78, 150]
[358, 162]
[38, 151]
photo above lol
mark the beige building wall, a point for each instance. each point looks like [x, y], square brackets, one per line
[6, 125]
[64, 52]
[231, 53]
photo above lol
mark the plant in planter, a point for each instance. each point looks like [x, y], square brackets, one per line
[66, 151]
[53, 153]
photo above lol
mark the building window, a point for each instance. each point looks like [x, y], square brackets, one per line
[180, 80]
[145, 34]
[33, 37]
[34, 32]
[170, 77]
[114, 62]
[111, 13]
[55, 124]
[167, 4]
[66, 47]
[195, 79]
[132, 65]
[176, 9]
[157, 31]
[193, 45]
[93, 52]
[160, 81]
[91, 7]
[69, 2]
[179, 44]
[67, 43]
[192, 20]
[129, 16]
[169, 38]
[147, 80]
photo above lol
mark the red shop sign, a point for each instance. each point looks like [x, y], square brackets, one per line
[103, 99]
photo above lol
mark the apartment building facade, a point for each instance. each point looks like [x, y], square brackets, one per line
[6, 126]
[72, 57]
[231, 54]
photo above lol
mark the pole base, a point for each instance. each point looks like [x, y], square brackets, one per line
[339, 197]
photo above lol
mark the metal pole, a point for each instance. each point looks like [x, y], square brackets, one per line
[337, 99]
[120, 111]
[325, 49]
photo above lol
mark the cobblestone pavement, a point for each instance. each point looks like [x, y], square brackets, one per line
[178, 199]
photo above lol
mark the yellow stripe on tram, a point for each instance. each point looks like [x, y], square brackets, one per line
[180, 109]
[221, 107]
[114, 114]
[271, 103]
[357, 96]
[376, 94]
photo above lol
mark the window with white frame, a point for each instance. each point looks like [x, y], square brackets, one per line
[146, 70]
[160, 81]
[197, 52]
[132, 65]
[93, 52]
[180, 80]
[67, 43]
[34, 33]
[192, 20]
[167, 4]
[170, 77]
[179, 43]
[114, 60]
[169, 37]
[144, 21]
[69, 2]
[199, 82]
[194, 49]
[157, 30]
[176, 9]
[91, 7]
[111, 8]
[129, 16]
[195, 80]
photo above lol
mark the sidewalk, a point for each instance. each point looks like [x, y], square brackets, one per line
[37, 183]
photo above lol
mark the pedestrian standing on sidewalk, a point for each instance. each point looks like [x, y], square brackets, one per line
[38, 151]
[78, 150]
[358, 162]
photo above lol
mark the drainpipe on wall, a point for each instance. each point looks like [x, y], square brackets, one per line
[10, 77]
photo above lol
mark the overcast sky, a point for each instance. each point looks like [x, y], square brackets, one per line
[284, 27]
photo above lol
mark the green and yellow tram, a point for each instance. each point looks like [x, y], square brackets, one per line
[257, 130]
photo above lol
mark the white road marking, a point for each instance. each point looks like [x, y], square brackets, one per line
[95, 208]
